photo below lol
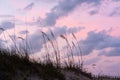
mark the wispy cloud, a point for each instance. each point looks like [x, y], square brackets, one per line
[107, 8]
[29, 7]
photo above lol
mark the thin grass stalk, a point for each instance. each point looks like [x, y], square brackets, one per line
[26, 53]
[47, 51]
[30, 47]
[56, 49]
[67, 50]
[28, 44]
[49, 40]
[78, 54]
[13, 40]
[14, 35]
[80, 51]
[20, 46]
[71, 53]
[69, 47]
[23, 41]
[68, 57]
[5, 40]
[74, 46]
[16, 48]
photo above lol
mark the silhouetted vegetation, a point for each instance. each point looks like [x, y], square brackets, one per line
[16, 64]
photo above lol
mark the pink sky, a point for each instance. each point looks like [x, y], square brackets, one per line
[93, 18]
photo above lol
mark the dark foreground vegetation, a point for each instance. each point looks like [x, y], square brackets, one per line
[19, 67]
[15, 64]
[16, 67]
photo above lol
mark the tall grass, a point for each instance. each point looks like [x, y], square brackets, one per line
[45, 46]
[56, 48]
[71, 62]
[80, 52]
[48, 65]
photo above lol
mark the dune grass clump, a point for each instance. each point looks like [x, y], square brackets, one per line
[15, 64]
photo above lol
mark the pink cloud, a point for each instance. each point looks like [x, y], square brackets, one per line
[99, 21]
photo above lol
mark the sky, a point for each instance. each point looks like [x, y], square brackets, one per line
[95, 23]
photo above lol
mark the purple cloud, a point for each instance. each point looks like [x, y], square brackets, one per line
[37, 39]
[63, 8]
[29, 7]
[99, 41]
[7, 25]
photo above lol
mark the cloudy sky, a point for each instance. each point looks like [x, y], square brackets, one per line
[95, 23]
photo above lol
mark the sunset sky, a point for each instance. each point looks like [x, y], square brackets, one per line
[96, 23]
